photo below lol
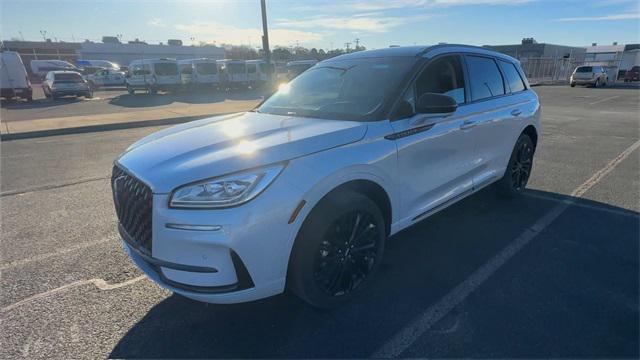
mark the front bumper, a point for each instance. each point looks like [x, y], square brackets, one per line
[245, 259]
[70, 92]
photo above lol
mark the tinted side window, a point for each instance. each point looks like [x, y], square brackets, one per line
[486, 80]
[512, 76]
[442, 76]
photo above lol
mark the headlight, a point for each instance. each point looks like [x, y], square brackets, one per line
[229, 190]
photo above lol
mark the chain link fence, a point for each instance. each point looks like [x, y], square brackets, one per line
[547, 70]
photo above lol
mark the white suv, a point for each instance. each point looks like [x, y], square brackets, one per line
[302, 192]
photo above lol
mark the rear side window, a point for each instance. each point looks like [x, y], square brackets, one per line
[584, 69]
[512, 76]
[485, 78]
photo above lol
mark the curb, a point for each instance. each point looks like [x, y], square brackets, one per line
[103, 127]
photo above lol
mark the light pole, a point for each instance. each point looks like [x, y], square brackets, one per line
[265, 41]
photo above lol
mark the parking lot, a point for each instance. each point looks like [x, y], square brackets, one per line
[553, 273]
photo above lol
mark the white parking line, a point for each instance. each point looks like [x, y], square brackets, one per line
[423, 322]
[66, 250]
[99, 283]
[603, 100]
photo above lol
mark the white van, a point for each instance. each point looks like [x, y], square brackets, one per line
[199, 72]
[234, 73]
[14, 81]
[295, 68]
[152, 75]
[258, 72]
[40, 68]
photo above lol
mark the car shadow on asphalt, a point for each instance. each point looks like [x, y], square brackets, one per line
[422, 264]
[140, 100]
[39, 103]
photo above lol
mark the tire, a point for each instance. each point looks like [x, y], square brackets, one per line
[89, 95]
[152, 91]
[573, 85]
[519, 169]
[597, 83]
[130, 90]
[325, 270]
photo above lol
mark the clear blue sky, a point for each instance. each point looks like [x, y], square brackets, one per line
[326, 24]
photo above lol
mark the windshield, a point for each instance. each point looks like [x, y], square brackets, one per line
[236, 68]
[68, 78]
[163, 69]
[207, 68]
[344, 90]
[584, 69]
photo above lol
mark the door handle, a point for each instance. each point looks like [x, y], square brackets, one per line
[468, 125]
[516, 112]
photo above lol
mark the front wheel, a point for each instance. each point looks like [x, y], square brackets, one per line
[130, 90]
[519, 169]
[338, 250]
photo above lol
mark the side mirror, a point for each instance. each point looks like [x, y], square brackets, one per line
[431, 103]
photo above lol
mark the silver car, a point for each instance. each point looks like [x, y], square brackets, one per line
[63, 83]
[589, 75]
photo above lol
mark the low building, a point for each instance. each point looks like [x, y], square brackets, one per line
[529, 48]
[123, 54]
[618, 57]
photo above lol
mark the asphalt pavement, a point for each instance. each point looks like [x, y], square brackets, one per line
[553, 273]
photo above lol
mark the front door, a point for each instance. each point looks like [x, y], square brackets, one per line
[435, 153]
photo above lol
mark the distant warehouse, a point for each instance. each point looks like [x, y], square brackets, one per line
[529, 48]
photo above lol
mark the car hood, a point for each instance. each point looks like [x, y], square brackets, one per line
[225, 144]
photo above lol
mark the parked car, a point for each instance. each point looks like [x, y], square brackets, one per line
[40, 68]
[589, 75]
[303, 192]
[106, 78]
[152, 75]
[14, 80]
[63, 83]
[234, 73]
[295, 68]
[632, 74]
[201, 73]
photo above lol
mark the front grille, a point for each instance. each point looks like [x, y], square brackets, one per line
[134, 203]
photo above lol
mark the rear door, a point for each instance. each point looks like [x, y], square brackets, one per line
[499, 105]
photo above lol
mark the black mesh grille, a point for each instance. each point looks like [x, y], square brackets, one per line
[134, 204]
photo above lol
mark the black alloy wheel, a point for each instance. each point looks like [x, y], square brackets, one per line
[521, 167]
[346, 255]
[338, 249]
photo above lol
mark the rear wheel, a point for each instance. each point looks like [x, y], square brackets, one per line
[519, 169]
[338, 250]
[130, 90]
[573, 84]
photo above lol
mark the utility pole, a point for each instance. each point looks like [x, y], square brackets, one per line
[347, 44]
[44, 35]
[265, 41]
[357, 43]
